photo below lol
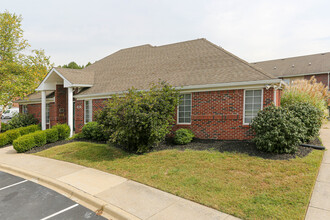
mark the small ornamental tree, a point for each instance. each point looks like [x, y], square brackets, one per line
[140, 119]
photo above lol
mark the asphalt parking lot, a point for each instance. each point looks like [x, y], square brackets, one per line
[23, 199]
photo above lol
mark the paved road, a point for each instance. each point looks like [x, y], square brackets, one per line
[23, 199]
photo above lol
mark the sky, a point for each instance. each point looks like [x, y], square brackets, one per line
[255, 30]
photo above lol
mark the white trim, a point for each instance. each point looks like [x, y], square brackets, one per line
[262, 103]
[35, 101]
[275, 96]
[66, 82]
[195, 88]
[43, 110]
[177, 115]
[70, 110]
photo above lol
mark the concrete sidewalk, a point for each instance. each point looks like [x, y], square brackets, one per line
[114, 196]
[319, 205]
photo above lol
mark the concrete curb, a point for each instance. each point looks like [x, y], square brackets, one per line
[106, 210]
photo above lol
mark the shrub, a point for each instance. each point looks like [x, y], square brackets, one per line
[24, 143]
[306, 91]
[277, 130]
[63, 131]
[51, 135]
[93, 131]
[40, 138]
[77, 136]
[140, 119]
[310, 116]
[3, 139]
[4, 127]
[183, 136]
[22, 120]
[12, 135]
[28, 129]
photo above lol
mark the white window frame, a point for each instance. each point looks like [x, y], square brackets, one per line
[47, 114]
[90, 111]
[177, 119]
[262, 102]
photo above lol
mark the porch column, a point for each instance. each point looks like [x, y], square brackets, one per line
[43, 110]
[70, 110]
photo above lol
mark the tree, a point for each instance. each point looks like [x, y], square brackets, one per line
[74, 65]
[20, 74]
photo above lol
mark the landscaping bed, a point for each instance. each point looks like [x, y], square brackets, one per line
[225, 177]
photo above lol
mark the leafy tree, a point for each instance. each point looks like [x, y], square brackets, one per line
[20, 74]
[140, 119]
[74, 65]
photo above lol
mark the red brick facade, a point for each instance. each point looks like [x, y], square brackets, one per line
[215, 115]
[320, 78]
[219, 115]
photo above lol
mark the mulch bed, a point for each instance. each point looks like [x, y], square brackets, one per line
[245, 147]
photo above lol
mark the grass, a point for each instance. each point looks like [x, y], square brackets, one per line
[238, 184]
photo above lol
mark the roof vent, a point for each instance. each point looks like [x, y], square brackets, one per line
[310, 63]
[292, 65]
[274, 67]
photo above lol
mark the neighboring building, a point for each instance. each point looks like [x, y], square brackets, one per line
[301, 67]
[221, 93]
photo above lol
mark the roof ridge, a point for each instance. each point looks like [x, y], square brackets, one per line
[237, 58]
[286, 58]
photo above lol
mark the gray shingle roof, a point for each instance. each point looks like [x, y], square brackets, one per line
[76, 76]
[301, 65]
[196, 62]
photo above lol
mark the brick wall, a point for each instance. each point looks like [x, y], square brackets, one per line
[215, 115]
[219, 115]
[320, 78]
[61, 104]
[35, 110]
[79, 115]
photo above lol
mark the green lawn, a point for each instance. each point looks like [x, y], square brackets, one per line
[238, 184]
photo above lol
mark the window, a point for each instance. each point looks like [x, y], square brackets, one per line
[47, 113]
[253, 103]
[88, 111]
[184, 110]
[287, 81]
[24, 109]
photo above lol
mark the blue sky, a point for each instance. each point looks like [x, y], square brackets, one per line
[254, 30]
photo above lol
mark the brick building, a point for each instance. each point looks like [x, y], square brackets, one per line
[221, 93]
[301, 67]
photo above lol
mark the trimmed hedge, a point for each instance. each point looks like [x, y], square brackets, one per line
[35, 139]
[9, 136]
[183, 136]
[4, 139]
[12, 135]
[24, 143]
[93, 131]
[27, 130]
[40, 138]
[63, 131]
[51, 135]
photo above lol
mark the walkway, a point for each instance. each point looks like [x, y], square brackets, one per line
[113, 196]
[319, 205]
